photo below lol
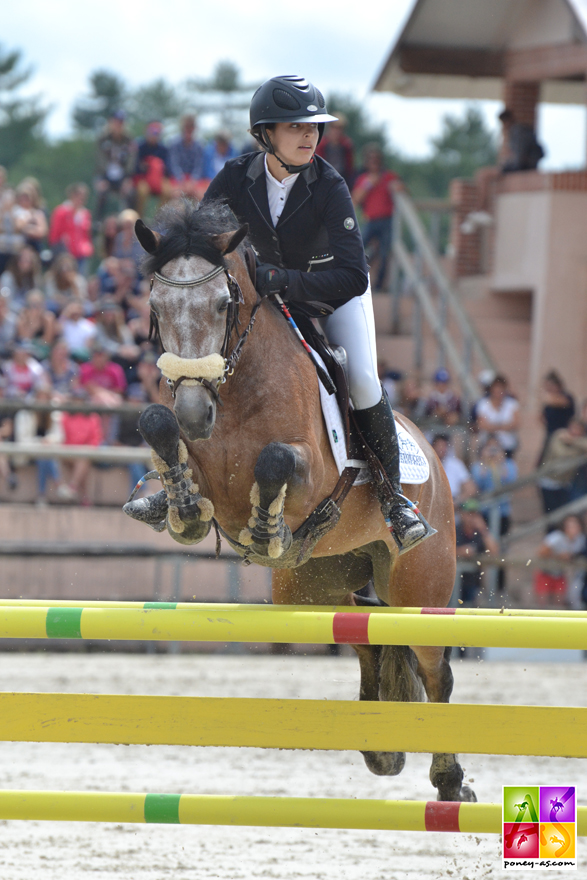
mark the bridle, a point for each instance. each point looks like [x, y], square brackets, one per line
[232, 324]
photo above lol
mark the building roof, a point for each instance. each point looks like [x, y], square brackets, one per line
[464, 49]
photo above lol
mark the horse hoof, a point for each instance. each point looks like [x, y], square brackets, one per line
[466, 794]
[385, 763]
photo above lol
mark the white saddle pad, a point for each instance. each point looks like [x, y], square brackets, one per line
[413, 464]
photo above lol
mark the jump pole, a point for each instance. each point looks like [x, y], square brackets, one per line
[294, 724]
[273, 812]
[276, 624]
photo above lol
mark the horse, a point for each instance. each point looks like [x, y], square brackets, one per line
[239, 441]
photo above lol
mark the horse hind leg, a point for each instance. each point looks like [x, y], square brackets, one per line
[388, 673]
[267, 533]
[446, 774]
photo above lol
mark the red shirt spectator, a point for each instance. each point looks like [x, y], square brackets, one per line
[101, 372]
[377, 201]
[71, 224]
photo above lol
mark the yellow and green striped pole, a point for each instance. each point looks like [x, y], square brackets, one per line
[186, 809]
[242, 623]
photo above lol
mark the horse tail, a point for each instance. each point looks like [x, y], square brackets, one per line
[398, 677]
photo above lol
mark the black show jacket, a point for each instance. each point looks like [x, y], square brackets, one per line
[317, 237]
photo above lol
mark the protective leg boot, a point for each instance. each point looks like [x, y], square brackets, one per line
[377, 425]
[151, 510]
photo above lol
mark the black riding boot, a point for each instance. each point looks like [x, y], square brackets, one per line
[377, 426]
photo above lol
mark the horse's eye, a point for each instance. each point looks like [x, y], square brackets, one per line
[223, 305]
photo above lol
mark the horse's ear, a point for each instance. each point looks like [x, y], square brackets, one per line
[148, 239]
[229, 241]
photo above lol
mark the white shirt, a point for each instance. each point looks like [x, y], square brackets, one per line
[457, 473]
[509, 407]
[277, 192]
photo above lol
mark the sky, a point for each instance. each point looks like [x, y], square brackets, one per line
[340, 45]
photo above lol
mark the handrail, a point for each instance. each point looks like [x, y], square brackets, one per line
[407, 213]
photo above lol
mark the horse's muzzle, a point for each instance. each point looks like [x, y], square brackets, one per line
[195, 411]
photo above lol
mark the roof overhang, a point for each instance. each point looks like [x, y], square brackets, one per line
[439, 56]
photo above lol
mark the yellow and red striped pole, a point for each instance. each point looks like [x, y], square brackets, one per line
[242, 623]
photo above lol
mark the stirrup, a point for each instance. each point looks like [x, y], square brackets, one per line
[151, 510]
[403, 545]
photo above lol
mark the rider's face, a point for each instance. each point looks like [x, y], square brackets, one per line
[294, 142]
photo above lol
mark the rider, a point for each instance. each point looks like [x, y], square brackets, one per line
[303, 227]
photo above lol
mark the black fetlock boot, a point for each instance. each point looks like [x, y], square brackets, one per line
[377, 426]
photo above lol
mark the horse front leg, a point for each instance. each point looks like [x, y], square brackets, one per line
[186, 513]
[267, 533]
[446, 774]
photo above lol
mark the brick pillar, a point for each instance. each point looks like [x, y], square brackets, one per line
[465, 246]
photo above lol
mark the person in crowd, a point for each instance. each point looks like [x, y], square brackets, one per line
[7, 328]
[373, 194]
[126, 245]
[338, 149]
[462, 485]
[77, 331]
[114, 162]
[558, 407]
[217, 153]
[186, 160]
[140, 326]
[108, 232]
[412, 402]
[523, 152]
[64, 284]
[473, 538]
[61, 371]
[115, 336]
[304, 200]
[11, 241]
[493, 471]
[23, 273]
[34, 427]
[70, 228]
[562, 487]
[553, 585]
[143, 389]
[104, 383]
[443, 404]
[22, 372]
[6, 436]
[152, 175]
[37, 324]
[29, 218]
[499, 414]
[390, 380]
[79, 429]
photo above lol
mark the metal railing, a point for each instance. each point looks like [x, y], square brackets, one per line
[418, 272]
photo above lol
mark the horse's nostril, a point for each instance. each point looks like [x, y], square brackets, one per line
[210, 416]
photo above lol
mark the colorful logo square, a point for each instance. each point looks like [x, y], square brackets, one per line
[521, 803]
[557, 841]
[521, 841]
[557, 803]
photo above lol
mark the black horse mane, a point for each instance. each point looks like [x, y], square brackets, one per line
[186, 229]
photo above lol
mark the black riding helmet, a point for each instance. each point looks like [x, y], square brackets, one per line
[287, 99]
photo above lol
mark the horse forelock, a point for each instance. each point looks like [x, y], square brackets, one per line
[186, 231]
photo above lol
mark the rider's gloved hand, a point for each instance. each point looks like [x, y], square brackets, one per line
[271, 279]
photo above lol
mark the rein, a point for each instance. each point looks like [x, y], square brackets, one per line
[232, 323]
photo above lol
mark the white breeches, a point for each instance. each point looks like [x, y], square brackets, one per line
[353, 327]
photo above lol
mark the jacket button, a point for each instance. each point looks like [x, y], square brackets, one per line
[275, 238]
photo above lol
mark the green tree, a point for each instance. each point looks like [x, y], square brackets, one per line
[223, 95]
[108, 93]
[157, 100]
[20, 118]
[56, 165]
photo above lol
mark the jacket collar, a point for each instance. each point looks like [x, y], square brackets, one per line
[299, 194]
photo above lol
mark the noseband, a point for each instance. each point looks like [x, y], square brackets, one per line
[232, 323]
